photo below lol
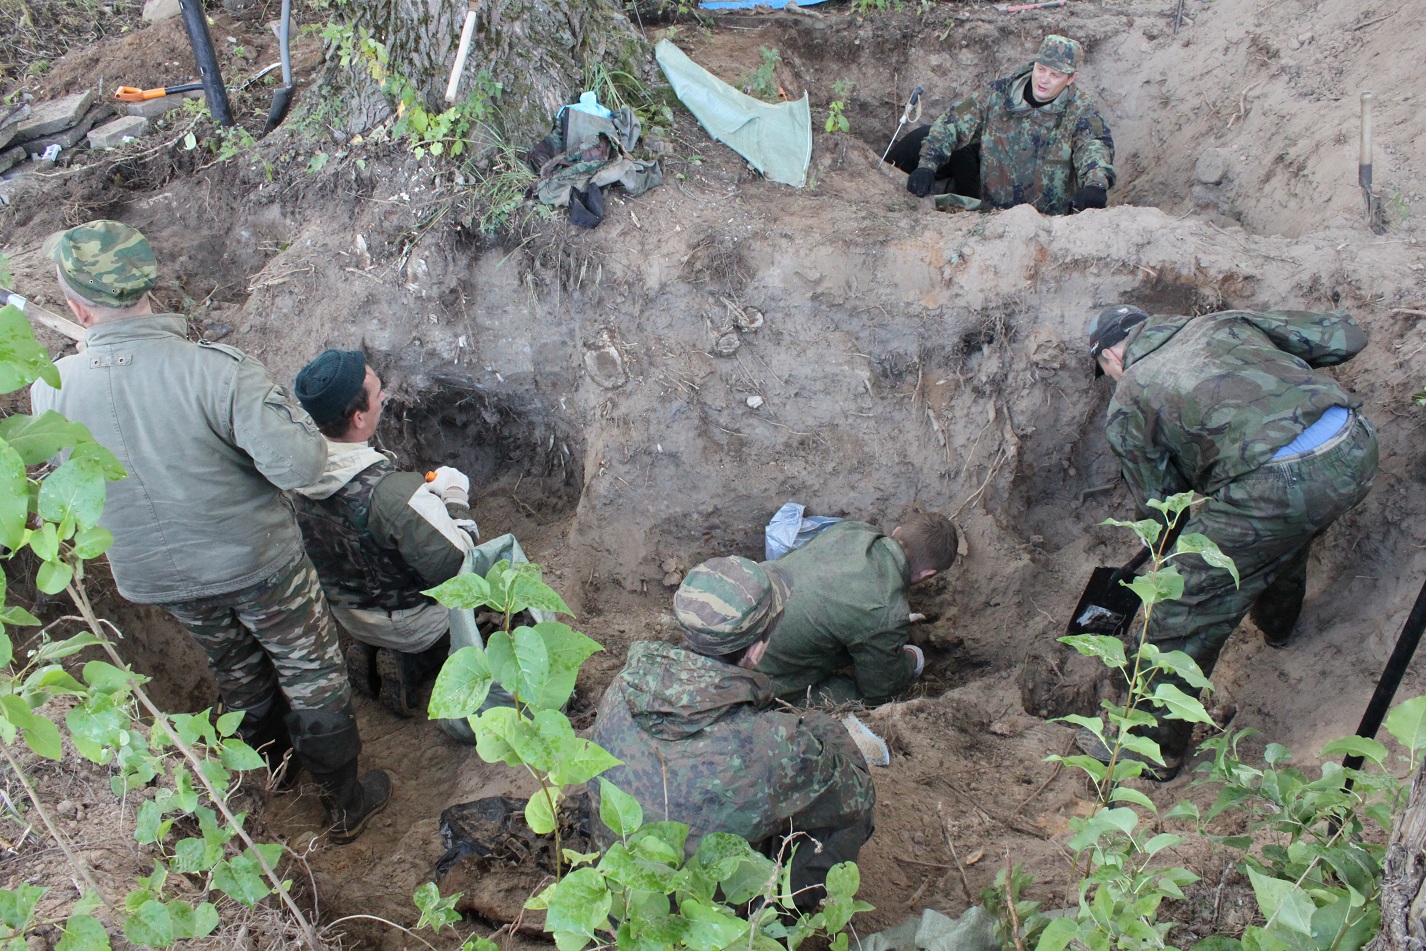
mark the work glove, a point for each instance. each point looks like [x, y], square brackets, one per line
[451, 485]
[917, 656]
[1091, 196]
[921, 181]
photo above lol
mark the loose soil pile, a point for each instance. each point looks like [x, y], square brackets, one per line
[907, 358]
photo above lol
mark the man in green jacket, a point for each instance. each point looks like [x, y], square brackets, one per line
[379, 536]
[1031, 138]
[700, 741]
[201, 525]
[848, 610]
[1232, 406]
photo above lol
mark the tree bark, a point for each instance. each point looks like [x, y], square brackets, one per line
[540, 51]
[1403, 890]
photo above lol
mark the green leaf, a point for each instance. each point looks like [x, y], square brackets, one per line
[104, 678]
[1108, 649]
[580, 761]
[465, 592]
[1128, 794]
[623, 867]
[528, 592]
[1407, 722]
[490, 730]
[190, 922]
[7, 650]
[1057, 934]
[229, 722]
[74, 489]
[1164, 840]
[83, 933]
[579, 905]
[14, 498]
[22, 359]
[618, 810]
[44, 542]
[567, 649]
[463, 683]
[53, 577]
[43, 737]
[92, 542]
[241, 879]
[150, 924]
[1148, 529]
[1205, 548]
[40, 438]
[18, 905]
[95, 726]
[711, 927]
[1165, 584]
[1176, 661]
[54, 650]
[1282, 902]
[1371, 750]
[532, 660]
[108, 464]
[538, 815]
[1180, 706]
[238, 756]
[1218, 943]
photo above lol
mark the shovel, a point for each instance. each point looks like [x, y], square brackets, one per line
[1107, 606]
[282, 98]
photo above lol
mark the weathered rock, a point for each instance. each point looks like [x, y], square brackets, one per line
[1212, 167]
[72, 136]
[55, 116]
[606, 366]
[9, 158]
[117, 131]
[157, 10]
[153, 108]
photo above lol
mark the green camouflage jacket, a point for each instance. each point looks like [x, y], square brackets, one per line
[1204, 400]
[847, 608]
[1030, 156]
[700, 745]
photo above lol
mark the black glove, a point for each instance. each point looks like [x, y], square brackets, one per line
[1090, 196]
[921, 182]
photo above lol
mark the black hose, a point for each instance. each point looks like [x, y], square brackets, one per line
[1391, 677]
[196, 22]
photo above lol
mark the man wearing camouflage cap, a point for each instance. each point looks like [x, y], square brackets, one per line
[201, 525]
[1234, 407]
[701, 742]
[1032, 138]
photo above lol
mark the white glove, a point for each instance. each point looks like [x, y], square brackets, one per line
[916, 655]
[451, 485]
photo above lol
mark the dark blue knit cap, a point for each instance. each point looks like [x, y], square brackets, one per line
[328, 384]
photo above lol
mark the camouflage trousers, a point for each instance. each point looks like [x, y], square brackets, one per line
[1265, 521]
[275, 634]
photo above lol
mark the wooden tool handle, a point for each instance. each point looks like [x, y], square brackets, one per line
[462, 52]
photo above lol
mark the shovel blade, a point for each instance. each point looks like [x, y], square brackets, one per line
[1105, 607]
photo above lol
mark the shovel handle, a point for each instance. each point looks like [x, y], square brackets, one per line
[462, 51]
[135, 94]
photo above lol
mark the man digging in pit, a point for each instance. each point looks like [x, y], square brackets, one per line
[379, 536]
[1031, 138]
[700, 740]
[1232, 406]
[844, 634]
[201, 526]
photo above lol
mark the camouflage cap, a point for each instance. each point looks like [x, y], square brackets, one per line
[1110, 327]
[1060, 53]
[105, 262]
[725, 604]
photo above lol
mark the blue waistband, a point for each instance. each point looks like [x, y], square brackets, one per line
[1328, 425]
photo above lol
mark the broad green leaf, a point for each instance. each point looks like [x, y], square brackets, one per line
[75, 488]
[1165, 584]
[748, 879]
[53, 577]
[1282, 902]
[1371, 750]
[92, 542]
[1180, 706]
[567, 649]
[150, 924]
[1122, 818]
[1142, 746]
[241, 879]
[462, 685]
[1176, 661]
[581, 761]
[719, 852]
[83, 933]
[54, 650]
[843, 881]
[1163, 840]
[1057, 934]
[238, 756]
[18, 905]
[104, 678]
[465, 592]
[711, 927]
[22, 359]
[1205, 548]
[17, 616]
[191, 922]
[1108, 649]
[49, 681]
[622, 866]
[1218, 943]
[479, 944]
[532, 659]
[1148, 529]
[529, 592]
[7, 650]
[579, 904]
[229, 722]
[44, 542]
[101, 458]
[94, 727]
[43, 737]
[660, 841]
[150, 827]
[1129, 794]
[538, 815]
[14, 498]
[40, 438]
[490, 730]
[1184, 810]
[618, 810]
[1407, 722]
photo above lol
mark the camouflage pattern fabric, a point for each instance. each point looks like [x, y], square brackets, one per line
[725, 604]
[847, 608]
[699, 745]
[1059, 53]
[1038, 156]
[276, 633]
[105, 262]
[356, 572]
[1206, 400]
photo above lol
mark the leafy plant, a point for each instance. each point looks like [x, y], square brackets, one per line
[762, 82]
[836, 114]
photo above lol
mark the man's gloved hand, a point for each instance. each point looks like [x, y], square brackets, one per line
[921, 182]
[451, 485]
[1091, 196]
[916, 655]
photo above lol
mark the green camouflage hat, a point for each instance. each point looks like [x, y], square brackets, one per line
[105, 262]
[1060, 53]
[725, 604]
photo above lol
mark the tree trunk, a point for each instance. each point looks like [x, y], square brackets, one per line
[1403, 890]
[540, 51]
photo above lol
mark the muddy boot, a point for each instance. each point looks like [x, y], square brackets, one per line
[402, 675]
[328, 745]
[361, 669]
[264, 728]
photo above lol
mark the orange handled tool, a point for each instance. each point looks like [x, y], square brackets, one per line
[430, 477]
[135, 94]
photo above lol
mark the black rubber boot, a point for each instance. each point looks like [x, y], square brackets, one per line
[361, 669]
[269, 736]
[402, 675]
[328, 745]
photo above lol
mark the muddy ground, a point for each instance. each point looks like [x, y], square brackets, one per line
[908, 358]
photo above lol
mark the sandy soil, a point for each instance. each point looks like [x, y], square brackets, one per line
[908, 358]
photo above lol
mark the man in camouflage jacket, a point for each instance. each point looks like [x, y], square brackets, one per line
[848, 610]
[379, 536]
[701, 743]
[1232, 406]
[201, 525]
[1040, 140]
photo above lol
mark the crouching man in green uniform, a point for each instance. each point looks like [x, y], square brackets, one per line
[700, 741]
[1232, 406]
[379, 536]
[1032, 138]
[848, 610]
